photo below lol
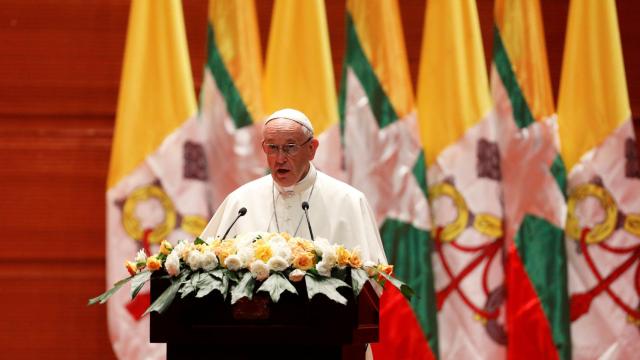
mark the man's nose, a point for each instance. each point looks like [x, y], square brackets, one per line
[281, 158]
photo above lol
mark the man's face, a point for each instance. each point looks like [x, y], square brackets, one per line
[287, 170]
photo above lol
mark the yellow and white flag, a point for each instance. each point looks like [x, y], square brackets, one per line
[299, 74]
[598, 146]
[157, 175]
[458, 130]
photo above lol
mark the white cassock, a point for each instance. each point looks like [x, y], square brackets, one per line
[337, 212]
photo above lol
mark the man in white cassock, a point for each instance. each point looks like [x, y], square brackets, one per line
[337, 211]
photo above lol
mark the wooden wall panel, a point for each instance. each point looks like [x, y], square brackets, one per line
[60, 63]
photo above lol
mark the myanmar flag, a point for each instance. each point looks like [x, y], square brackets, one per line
[157, 173]
[299, 74]
[457, 126]
[231, 98]
[384, 159]
[599, 150]
[533, 186]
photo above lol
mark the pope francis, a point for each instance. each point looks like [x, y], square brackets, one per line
[274, 203]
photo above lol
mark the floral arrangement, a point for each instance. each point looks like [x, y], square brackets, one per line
[235, 267]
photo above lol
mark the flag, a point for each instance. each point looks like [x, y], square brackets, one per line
[299, 74]
[534, 180]
[384, 159]
[599, 150]
[231, 98]
[458, 130]
[157, 173]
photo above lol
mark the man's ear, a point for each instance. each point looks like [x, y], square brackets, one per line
[314, 143]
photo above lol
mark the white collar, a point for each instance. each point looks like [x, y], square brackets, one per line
[301, 185]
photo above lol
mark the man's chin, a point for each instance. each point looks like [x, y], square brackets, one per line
[284, 180]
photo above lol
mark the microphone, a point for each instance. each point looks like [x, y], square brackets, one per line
[242, 212]
[305, 207]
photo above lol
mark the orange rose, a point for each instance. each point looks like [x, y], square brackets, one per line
[303, 261]
[132, 268]
[153, 263]
[165, 247]
[387, 269]
[343, 256]
[354, 260]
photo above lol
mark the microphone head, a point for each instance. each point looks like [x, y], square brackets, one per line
[242, 211]
[305, 205]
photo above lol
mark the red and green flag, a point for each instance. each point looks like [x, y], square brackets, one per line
[534, 181]
[231, 98]
[384, 158]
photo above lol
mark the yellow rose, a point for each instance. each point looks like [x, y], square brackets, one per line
[343, 256]
[222, 254]
[304, 261]
[153, 263]
[132, 268]
[263, 252]
[215, 243]
[285, 235]
[165, 247]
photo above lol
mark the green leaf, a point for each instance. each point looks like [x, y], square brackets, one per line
[138, 282]
[217, 273]
[166, 298]
[325, 286]
[102, 298]
[358, 278]
[205, 285]
[405, 289]
[231, 275]
[198, 241]
[195, 277]
[244, 288]
[275, 285]
[190, 285]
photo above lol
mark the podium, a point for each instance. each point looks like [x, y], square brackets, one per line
[294, 328]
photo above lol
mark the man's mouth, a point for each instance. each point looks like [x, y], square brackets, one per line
[282, 171]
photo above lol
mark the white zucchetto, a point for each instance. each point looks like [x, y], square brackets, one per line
[293, 115]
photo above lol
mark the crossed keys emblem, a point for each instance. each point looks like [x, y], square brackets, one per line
[596, 236]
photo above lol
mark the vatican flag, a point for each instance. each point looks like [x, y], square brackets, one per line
[598, 146]
[458, 130]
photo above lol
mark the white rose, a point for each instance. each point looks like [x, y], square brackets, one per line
[277, 239]
[246, 254]
[247, 238]
[141, 256]
[276, 263]
[321, 244]
[283, 251]
[209, 240]
[329, 255]
[296, 275]
[179, 248]
[209, 260]
[259, 270]
[324, 268]
[233, 262]
[194, 259]
[173, 264]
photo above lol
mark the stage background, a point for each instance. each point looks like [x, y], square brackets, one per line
[60, 64]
